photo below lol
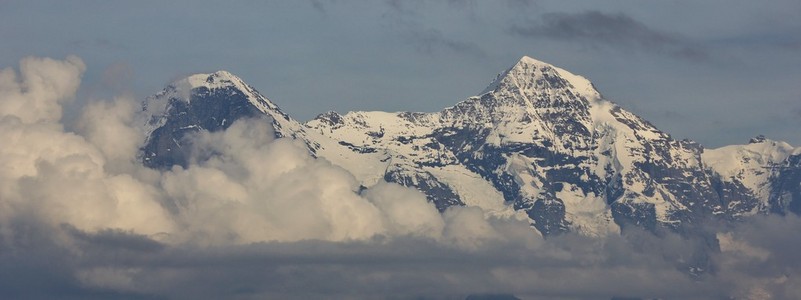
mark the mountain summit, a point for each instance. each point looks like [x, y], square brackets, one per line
[209, 102]
[538, 143]
[529, 75]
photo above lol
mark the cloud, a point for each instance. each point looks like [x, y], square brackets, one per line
[521, 4]
[242, 186]
[58, 176]
[431, 41]
[256, 217]
[415, 6]
[41, 87]
[616, 31]
[403, 16]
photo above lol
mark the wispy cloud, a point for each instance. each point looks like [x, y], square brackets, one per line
[404, 19]
[320, 5]
[432, 41]
[617, 31]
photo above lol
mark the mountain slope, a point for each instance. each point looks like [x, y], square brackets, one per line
[538, 142]
[202, 102]
[754, 166]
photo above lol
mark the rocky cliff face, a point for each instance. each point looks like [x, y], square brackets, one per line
[786, 185]
[539, 142]
[203, 102]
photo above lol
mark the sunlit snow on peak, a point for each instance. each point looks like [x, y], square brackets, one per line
[530, 74]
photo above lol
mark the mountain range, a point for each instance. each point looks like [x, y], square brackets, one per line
[539, 143]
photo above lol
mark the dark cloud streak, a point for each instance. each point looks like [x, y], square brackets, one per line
[431, 41]
[617, 31]
[403, 18]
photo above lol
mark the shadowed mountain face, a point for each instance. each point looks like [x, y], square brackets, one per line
[539, 143]
[786, 185]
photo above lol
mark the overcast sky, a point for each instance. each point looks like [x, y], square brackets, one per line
[718, 72]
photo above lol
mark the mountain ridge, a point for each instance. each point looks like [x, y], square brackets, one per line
[539, 142]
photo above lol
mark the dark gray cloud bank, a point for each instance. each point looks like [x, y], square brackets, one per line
[257, 218]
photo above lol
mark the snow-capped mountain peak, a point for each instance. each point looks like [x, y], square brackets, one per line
[222, 85]
[206, 101]
[211, 80]
[752, 164]
[531, 75]
[181, 89]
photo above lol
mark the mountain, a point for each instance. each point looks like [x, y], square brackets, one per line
[539, 143]
[770, 170]
[203, 102]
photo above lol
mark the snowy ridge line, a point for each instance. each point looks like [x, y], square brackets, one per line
[538, 142]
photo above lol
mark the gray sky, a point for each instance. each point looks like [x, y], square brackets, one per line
[718, 72]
